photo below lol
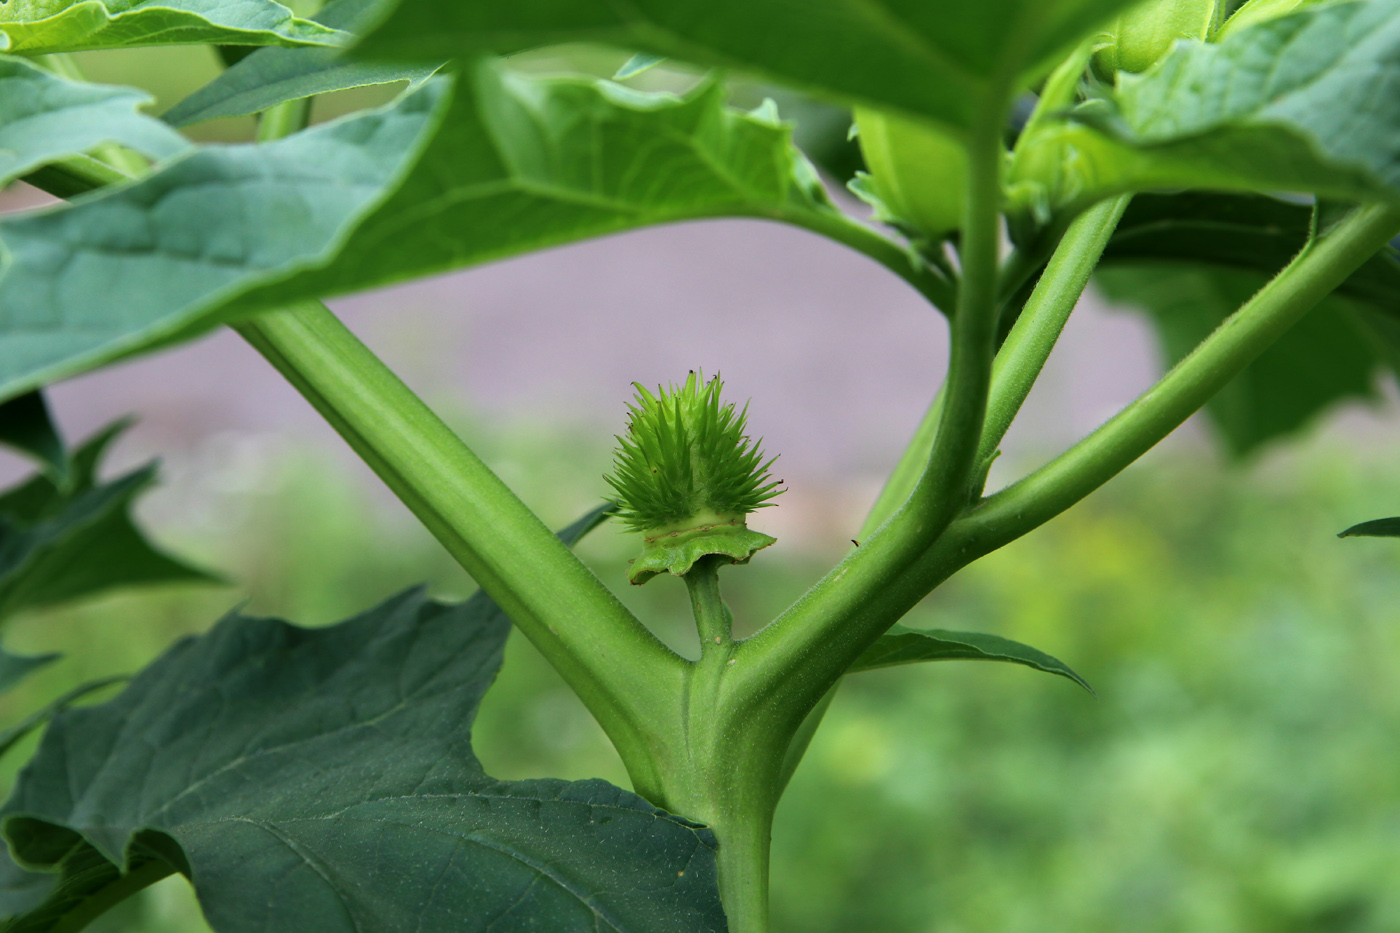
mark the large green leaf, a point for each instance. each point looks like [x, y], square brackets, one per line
[517, 164]
[271, 76]
[1308, 102]
[44, 118]
[1328, 357]
[944, 60]
[65, 540]
[324, 780]
[902, 645]
[37, 27]
[155, 260]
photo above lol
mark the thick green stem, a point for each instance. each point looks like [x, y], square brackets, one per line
[1022, 356]
[783, 671]
[1317, 270]
[627, 678]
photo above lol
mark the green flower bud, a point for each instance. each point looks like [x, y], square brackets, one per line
[918, 172]
[1143, 36]
[685, 475]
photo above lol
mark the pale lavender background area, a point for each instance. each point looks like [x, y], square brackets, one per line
[838, 355]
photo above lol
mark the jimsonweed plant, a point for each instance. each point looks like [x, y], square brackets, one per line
[1237, 172]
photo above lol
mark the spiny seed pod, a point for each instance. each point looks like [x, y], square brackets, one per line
[917, 171]
[1148, 32]
[685, 475]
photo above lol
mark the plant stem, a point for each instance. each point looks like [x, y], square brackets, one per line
[729, 792]
[284, 119]
[786, 668]
[627, 678]
[712, 619]
[1322, 265]
[1021, 358]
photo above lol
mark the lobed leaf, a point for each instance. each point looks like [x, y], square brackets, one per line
[61, 540]
[41, 27]
[270, 76]
[26, 426]
[949, 62]
[1330, 356]
[323, 779]
[902, 645]
[45, 118]
[517, 163]
[1308, 102]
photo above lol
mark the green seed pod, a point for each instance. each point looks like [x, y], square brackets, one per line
[916, 170]
[1141, 37]
[685, 475]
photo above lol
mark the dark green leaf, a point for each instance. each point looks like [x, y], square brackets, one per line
[324, 780]
[271, 76]
[1306, 102]
[1380, 528]
[26, 426]
[39, 27]
[1326, 358]
[518, 164]
[942, 60]
[63, 541]
[1245, 231]
[902, 645]
[14, 668]
[44, 118]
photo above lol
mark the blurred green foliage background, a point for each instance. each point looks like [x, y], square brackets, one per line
[1238, 771]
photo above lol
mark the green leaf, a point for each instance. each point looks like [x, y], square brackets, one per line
[271, 76]
[1379, 528]
[637, 64]
[44, 118]
[38, 27]
[1306, 102]
[1328, 357]
[26, 426]
[1243, 231]
[323, 779]
[517, 164]
[902, 645]
[152, 262]
[64, 541]
[945, 61]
